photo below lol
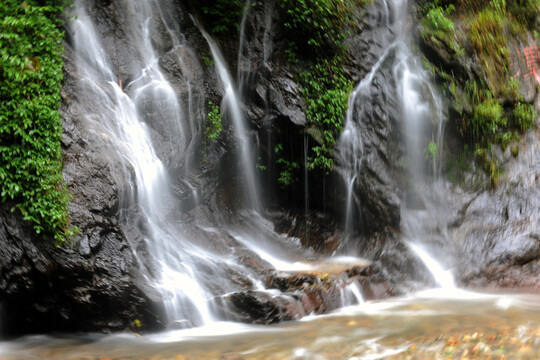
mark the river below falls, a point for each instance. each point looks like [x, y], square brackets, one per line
[431, 325]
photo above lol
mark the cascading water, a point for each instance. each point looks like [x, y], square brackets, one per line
[119, 113]
[423, 211]
[241, 45]
[282, 253]
[232, 105]
[422, 124]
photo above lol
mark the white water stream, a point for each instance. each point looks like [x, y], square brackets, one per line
[232, 105]
[422, 122]
[120, 115]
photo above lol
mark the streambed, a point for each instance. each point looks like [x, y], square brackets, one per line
[431, 325]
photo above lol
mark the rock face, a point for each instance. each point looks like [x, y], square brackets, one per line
[48, 289]
[493, 233]
[497, 234]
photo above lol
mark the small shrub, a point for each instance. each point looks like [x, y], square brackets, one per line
[213, 123]
[487, 119]
[288, 169]
[207, 60]
[438, 28]
[431, 151]
[437, 19]
[505, 138]
[524, 116]
[514, 150]
[511, 90]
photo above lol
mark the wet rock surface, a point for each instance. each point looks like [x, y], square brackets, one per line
[497, 238]
[293, 295]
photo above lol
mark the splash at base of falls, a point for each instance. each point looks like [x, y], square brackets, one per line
[443, 278]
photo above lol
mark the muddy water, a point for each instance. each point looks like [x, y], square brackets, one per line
[428, 326]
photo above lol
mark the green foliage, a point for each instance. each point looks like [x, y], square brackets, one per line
[511, 90]
[291, 52]
[207, 60]
[437, 19]
[326, 89]
[478, 99]
[438, 28]
[431, 151]
[260, 166]
[31, 48]
[514, 150]
[490, 124]
[318, 28]
[490, 164]
[523, 12]
[505, 138]
[523, 116]
[288, 168]
[213, 123]
[487, 120]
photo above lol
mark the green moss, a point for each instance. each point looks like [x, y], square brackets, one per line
[31, 48]
[488, 40]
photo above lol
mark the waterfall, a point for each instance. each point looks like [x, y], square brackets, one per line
[121, 114]
[423, 210]
[233, 106]
[241, 45]
[138, 112]
[422, 123]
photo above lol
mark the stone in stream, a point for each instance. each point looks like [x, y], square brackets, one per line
[297, 294]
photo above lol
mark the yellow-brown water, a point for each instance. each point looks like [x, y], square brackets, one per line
[469, 326]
